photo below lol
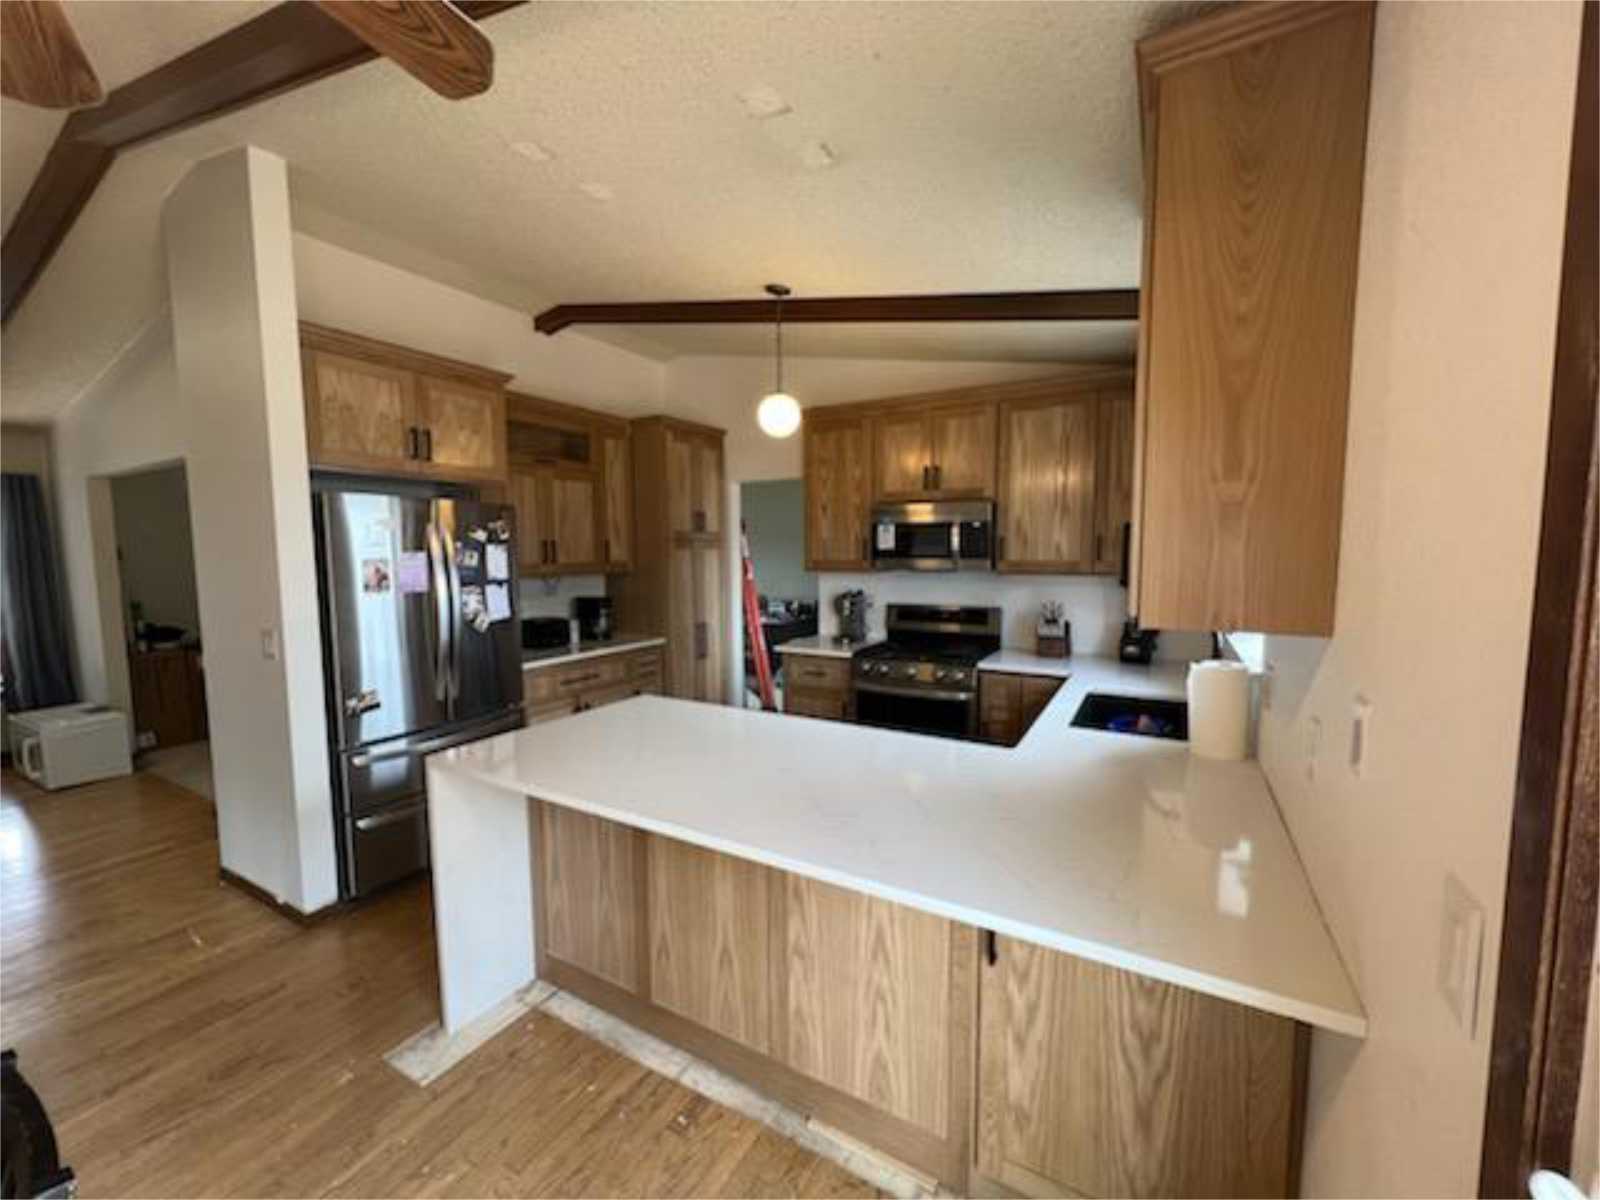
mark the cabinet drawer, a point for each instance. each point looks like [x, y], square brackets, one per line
[829, 705]
[813, 671]
[538, 714]
[642, 664]
[550, 683]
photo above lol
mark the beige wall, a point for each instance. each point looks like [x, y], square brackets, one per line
[25, 450]
[155, 545]
[1461, 242]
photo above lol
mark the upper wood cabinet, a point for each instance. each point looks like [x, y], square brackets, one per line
[838, 482]
[694, 480]
[938, 451]
[1046, 503]
[570, 481]
[1254, 129]
[375, 407]
[1093, 1081]
[1113, 480]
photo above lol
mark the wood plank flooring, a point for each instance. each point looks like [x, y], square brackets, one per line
[188, 1041]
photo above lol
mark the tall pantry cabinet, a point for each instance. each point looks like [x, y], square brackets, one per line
[679, 583]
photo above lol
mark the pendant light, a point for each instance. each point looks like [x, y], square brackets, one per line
[779, 413]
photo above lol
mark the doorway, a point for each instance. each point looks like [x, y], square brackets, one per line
[161, 618]
[773, 512]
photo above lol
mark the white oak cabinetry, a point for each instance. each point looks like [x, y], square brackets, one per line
[561, 689]
[677, 588]
[1255, 124]
[817, 685]
[376, 407]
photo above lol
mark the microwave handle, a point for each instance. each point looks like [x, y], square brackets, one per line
[955, 541]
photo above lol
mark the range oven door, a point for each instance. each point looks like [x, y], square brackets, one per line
[934, 536]
[917, 710]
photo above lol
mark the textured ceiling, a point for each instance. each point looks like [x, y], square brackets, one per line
[976, 147]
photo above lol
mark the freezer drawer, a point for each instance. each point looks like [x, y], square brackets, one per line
[385, 846]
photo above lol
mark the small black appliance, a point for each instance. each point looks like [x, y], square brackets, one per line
[1137, 645]
[594, 617]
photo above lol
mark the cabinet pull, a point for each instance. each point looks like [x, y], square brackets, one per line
[938, 476]
[702, 647]
[927, 471]
[579, 680]
[555, 551]
[412, 442]
[427, 445]
[1099, 544]
[605, 549]
[991, 947]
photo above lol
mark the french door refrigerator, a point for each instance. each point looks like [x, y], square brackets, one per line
[422, 651]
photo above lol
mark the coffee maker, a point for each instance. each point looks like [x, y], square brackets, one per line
[852, 608]
[594, 617]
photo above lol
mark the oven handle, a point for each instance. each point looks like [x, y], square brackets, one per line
[889, 689]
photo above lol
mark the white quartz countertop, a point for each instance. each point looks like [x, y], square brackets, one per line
[1025, 662]
[533, 660]
[828, 647]
[1120, 849]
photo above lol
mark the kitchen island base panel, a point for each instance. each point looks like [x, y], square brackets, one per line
[481, 845]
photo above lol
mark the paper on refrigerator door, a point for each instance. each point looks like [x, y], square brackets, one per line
[497, 563]
[498, 598]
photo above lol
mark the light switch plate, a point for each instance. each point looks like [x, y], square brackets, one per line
[1360, 736]
[1460, 952]
[269, 643]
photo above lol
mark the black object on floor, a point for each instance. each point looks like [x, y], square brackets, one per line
[1134, 714]
[29, 1163]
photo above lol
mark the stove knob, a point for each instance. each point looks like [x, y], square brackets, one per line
[910, 671]
[942, 674]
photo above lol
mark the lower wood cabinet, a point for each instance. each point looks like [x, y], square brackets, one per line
[1097, 1082]
[169, 696]
[816, 685]
[991, 1064]
[561, 689]
[1009, 704]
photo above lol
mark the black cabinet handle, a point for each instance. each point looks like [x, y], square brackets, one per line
[412, 442]
[938, 476]
[991, 947]
[427, 445]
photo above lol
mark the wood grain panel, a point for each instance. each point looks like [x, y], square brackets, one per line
[433, 42]
[838, 486]
[466, 426]
[812, 702]
[710, 604]
[590, 893]
[902, 455]
[707, 455]
[617, 467]
[1037, 691]
[575, 520]
[1097, 1082]
[1256, 142]
[710, 940]
[530, 500]
[680, 483]
[962, 446]
[1000, 707]
[41, 60]
[358, 413]
[1047, 485]
[869, 1008]
[1113, 480]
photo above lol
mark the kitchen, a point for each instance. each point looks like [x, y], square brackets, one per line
[524, 668]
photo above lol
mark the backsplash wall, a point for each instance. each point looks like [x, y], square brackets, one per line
[1095, 606]
[553, 597]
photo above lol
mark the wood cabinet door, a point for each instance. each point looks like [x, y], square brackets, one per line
[707, 492]
[961, 441]
[869, 1000]
[1037, 692]
[695, 653]
[529, 496]
[464, 429]
[826, 705]
[1096, 1082]
[1047, 485]
[1113, 478]
[838, 488]
[999, 708]
[1258, 155]
[902, 456]
[617, 471]
[359, 414]
[574, 521]
[591, 900]
[710, 601]
[711, 936]
[694, 482]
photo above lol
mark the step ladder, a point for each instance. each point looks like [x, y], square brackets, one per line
[755, 633]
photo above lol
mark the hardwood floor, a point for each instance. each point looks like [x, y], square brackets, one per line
[186, 1040]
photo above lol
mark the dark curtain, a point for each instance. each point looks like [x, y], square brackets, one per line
[38, 672]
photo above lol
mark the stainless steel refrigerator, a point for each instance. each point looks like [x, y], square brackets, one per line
[422, 651]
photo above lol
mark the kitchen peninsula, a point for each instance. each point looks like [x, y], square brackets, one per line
[877, 927]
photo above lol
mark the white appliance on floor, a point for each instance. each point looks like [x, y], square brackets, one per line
[71, 744]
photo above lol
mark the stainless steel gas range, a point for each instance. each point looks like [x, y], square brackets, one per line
[924, 678]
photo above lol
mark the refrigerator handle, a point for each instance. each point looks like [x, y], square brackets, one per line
[443, 627]
[455, 615]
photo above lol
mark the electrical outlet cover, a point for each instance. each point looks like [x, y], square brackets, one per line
[1460, 952]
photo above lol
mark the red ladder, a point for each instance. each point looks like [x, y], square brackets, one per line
[755, 632]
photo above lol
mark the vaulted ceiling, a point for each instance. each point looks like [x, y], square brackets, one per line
[628, 151]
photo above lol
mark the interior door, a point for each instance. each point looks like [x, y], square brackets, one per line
[380, 591]
[962, 442]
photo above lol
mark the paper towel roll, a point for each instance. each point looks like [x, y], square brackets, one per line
[1219, 709]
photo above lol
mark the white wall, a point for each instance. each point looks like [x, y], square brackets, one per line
[126, 421]
[1460, 247]
[230, 275]
[156, 547]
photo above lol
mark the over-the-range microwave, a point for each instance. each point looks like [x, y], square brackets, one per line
[934, 535]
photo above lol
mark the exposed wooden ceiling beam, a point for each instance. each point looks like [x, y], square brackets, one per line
[286, 47]
[1118, 304]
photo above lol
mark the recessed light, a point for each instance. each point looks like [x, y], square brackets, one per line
[532, 151]
[596, 191]
[762, 102]
[818, 155]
